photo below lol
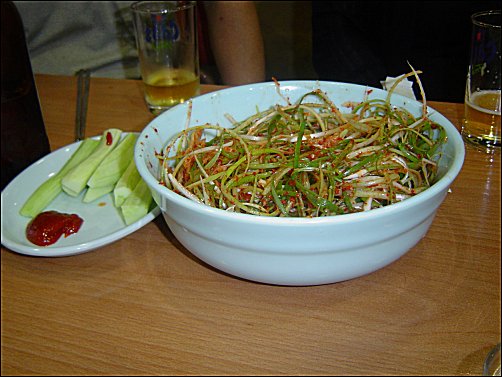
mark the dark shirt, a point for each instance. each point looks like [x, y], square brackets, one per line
[365, 41]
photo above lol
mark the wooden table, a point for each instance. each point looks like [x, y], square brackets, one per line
[144, 305]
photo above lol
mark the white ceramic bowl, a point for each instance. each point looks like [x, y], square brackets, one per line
[292, 251]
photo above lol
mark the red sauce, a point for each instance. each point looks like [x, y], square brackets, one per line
[47, 227]
[109, 138]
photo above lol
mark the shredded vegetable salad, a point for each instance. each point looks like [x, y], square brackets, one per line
[307, 159]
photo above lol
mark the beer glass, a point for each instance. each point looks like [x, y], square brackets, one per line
[481, 124]
[166, 38]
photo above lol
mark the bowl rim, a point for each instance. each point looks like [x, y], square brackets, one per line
[438, 187]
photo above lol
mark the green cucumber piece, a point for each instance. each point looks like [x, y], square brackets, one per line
[113, 166]
[52, 187]
[76, 179]
[137, 203]
[126, 184]
[94, 193]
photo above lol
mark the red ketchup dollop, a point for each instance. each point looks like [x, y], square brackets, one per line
[47, 227]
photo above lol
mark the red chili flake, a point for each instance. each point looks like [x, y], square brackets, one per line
[109, 138]
[245, 196]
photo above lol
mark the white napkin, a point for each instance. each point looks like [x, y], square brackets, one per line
[405, 87]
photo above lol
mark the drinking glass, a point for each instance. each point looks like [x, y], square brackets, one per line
[481, 124]
[166, 38]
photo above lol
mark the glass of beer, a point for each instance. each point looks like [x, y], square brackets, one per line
[481, 124]
[166, 38]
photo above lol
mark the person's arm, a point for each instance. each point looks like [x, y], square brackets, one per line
[236, 41]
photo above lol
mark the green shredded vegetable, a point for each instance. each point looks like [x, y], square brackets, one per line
[307, 159]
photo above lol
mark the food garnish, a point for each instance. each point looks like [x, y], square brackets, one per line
[307, 159]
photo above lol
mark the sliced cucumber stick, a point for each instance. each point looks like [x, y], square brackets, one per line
[51, 188]
[76, 179]
[126, 184]
[113, 166]
[94, 193]
[137, 203]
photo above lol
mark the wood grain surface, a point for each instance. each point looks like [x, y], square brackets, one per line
[145, 305]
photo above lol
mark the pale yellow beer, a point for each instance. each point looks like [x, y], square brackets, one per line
[169, 87]
[482, 117]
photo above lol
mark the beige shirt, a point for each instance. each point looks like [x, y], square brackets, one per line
[65, 36]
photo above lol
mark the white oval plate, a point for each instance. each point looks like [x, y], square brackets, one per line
[103, 223]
